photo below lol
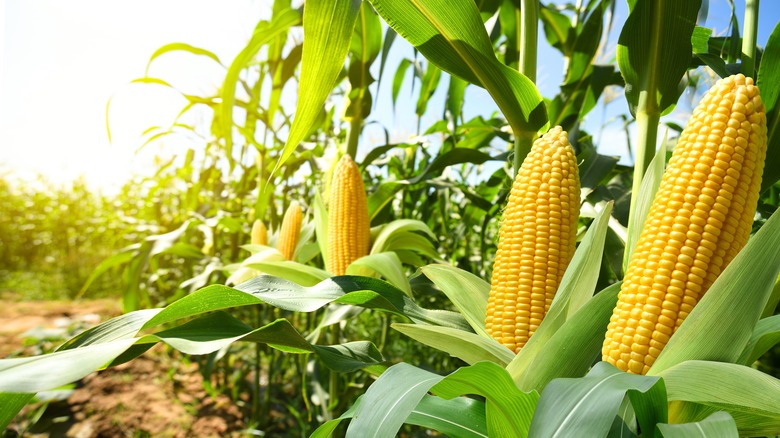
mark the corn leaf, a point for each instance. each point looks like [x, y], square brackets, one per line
[383, 194]
[721, 324]
[585, 330]
[302, 274]
[644, 199]
[508, 409]
[122, 327]
[469, 347]
[459, 417]
[405, 234]
[40, 373]
[717, 425]
[264, 34]
[202, 335]
[173, 47]
[749, 395]
[10, 405]
[770, 93]
[390, 400]
[467, 292]
[452, 36]
[387, 265]
[588, 405]
[576, 288]
[764, 337]
[654, 50]
[327, 32]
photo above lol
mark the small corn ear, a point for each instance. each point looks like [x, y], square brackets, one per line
[700, 219]
[536, 240]
[259, 233]
[290, 231]
[349, 234]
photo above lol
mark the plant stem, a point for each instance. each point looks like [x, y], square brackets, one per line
[749, 38]
[529, 17]
[523, 142]
[527, 64]
[354, 135]
[333, 387]
[256, 406]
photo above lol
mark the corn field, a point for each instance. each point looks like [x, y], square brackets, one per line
[499, 275]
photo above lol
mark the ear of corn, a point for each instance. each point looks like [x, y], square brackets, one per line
[536, 240]
[259, 233]
[700, 219]
[349, 234]
[290, 231]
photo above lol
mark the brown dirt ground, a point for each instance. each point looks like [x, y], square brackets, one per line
[154, 395]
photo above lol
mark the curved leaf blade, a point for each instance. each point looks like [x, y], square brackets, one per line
[327, 31]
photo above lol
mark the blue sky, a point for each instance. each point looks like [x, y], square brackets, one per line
[60, 62]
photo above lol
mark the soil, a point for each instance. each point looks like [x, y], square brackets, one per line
[159, 394]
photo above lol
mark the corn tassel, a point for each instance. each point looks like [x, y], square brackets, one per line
[536, 240]
[290, 231]
[700, 219]
[259, 233]
[349, 234]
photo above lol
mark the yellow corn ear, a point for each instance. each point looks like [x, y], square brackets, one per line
[699, 220]
[259, 233]
[349, 234]
[536, 240]
[290, 231]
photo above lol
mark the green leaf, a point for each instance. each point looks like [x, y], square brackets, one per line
[349, 357]
[454, 156]
[588, 405]
[770, 93]
[124, 326]
[459, 417]
[327, 33]
[264, 33]
[644, 199]
[392, 398]
[508, 409]
[721, 324]
[576, 288]
[172, 47]
[654, 50]
[389, 401]
[304, 275]
[428, 85]
[402, 234]
[585, 330]
[10, 405]
[387, 265]
[765, 336]
[386, 45]
[382, 196]
[114, 261]
[700, 39]
[398, 78]
[717, 425]
[40, 373]
[467, 292]
[212, 332]
[749, 395]
[452, 36]
[469, 347]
